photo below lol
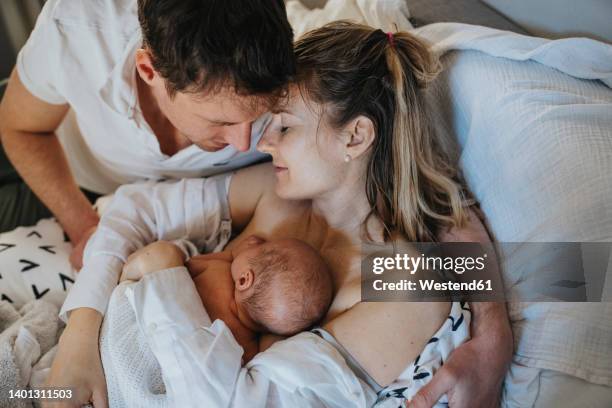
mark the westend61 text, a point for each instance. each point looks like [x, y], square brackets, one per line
[429, 285]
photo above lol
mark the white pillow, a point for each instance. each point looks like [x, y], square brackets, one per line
[536, 149]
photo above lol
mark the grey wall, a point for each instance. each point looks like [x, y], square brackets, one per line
[7, 54]
[462, 11]
[560, 18]
[17, 17]
[546, 18]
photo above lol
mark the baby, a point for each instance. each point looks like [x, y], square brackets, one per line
[280, 286]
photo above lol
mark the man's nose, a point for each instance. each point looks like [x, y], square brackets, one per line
[240, 136]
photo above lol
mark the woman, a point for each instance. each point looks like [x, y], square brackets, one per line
[354, 162]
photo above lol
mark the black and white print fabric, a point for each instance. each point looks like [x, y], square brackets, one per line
[34, 262]
[454, 331]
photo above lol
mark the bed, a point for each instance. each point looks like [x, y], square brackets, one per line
[530, 382]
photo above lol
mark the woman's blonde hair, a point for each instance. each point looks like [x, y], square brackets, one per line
[411, 183]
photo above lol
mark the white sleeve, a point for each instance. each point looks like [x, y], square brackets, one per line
[139, 215]
[39, 61]
[201, 363]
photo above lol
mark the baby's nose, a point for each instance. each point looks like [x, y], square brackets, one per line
[255, 240]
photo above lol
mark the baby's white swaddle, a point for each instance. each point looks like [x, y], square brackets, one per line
[133, 376]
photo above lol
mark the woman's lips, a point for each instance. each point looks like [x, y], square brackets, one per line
[279, 169]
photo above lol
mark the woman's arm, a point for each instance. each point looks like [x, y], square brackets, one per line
[201, 363]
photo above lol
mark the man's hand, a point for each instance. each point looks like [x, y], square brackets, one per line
[154, 257]
[76, 256]
[77, 364]
[473, 375]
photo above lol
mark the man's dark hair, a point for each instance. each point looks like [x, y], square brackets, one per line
[203, 45]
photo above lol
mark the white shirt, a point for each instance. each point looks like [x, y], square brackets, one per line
[82, 53]
[189, 212]
[201, 363]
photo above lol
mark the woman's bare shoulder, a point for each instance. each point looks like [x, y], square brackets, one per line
[247, 187]
[257, 178]
[473, 231]
[252, 198]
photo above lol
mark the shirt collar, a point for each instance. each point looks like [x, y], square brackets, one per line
[119, 91]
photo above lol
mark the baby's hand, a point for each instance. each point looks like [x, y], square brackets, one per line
[154, 257]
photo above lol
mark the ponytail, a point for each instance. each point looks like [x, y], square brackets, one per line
[423, 194]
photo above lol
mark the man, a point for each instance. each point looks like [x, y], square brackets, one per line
[146, 89]
[161, 99]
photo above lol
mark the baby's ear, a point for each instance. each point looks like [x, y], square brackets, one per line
[245, 280]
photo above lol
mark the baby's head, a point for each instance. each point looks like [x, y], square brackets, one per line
[283, 285]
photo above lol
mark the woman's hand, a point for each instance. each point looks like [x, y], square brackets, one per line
[154, 257]
[473, 375]
[77, 364]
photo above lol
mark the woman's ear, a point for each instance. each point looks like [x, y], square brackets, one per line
[245, 280]
[361, 136]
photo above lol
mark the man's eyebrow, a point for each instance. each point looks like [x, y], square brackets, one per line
[281, 110]
[219, 121]
[223, 122]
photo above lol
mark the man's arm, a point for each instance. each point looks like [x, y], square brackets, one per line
[473, 375]
[27, 126]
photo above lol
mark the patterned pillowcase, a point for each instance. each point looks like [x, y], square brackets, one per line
[34, 262]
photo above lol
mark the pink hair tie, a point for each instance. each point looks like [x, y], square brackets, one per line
[391, 39]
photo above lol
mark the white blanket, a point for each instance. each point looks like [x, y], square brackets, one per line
[388, 15]
[578, 57]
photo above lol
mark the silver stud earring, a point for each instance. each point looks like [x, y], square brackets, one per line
[347, 158]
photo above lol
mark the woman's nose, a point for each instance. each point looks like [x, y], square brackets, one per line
[270, 136]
